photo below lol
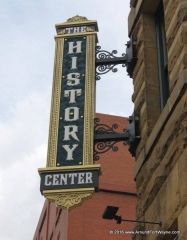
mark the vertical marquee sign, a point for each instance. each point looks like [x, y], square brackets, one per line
[70, 176]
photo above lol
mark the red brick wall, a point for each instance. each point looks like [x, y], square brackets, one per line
[86, 223]
[49, 226]
[117, 188]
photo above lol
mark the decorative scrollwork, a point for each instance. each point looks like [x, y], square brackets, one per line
[106, 61]
[102, 54]
[101, 128]
[125, 56]
[104, 69]
[104, 145]
[77, 18]
[69, 200]
[125, 130]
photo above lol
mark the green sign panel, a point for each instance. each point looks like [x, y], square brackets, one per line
[71, 123]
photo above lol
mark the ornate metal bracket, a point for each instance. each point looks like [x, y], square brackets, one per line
[106, 61]
[106, 137]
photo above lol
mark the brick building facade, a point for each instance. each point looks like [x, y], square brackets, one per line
[116, 188]
[159, 30]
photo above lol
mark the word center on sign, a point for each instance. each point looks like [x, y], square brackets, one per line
[71, 178]
[81, 179]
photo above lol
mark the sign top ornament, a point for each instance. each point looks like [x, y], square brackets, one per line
[77, 18]
[76, 25]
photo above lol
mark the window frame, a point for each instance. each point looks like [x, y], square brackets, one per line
[162, 55]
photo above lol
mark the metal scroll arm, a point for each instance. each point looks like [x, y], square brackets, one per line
[106, 61]
[105, 137]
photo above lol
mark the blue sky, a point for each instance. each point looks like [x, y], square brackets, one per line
[26, 69]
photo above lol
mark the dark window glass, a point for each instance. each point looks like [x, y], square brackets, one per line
[162, 55]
